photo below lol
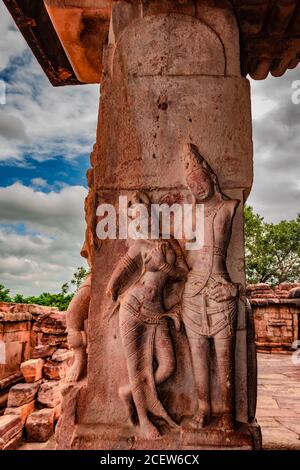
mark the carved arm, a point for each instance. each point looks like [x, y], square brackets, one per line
[125, 269]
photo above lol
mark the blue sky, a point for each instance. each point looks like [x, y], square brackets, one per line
[46, 136]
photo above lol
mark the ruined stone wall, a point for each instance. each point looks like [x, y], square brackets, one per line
[276, 317]
[34, 357]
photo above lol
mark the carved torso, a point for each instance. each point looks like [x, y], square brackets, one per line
[147, 292]
[210, 260]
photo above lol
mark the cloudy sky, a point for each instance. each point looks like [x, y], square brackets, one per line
[46, 135]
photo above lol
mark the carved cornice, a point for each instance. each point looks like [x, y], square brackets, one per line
[269, 32]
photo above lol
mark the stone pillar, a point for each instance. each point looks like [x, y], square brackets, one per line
[172, 82]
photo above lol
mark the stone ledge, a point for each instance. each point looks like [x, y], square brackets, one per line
[15, 317]
[263, 302]
[11, 380]
[104, 437]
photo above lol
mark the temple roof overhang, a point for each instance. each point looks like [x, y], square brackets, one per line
[67, 36]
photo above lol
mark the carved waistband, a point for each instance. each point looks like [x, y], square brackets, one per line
[143, 317]
[216, 250]
[219, 277]
[220, 307]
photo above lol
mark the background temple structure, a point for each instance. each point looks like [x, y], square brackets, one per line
[174, 126]
[276, 313]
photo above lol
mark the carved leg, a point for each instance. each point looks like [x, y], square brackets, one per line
[137, 339]
[225, 349]
[200, 351]
[127, 398]
[164, 353]
[77, 313]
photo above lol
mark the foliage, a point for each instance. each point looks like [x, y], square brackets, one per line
[4, 294]
[272, 250]
[60, 300]
[79, 276]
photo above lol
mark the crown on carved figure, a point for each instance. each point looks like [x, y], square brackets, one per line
[193, 160]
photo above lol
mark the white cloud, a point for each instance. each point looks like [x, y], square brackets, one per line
[276, 136]
[12, 128]
[37, 118]
[37, 209]
[44, 121]
[12, 42]
[47, 254]
[39, 182]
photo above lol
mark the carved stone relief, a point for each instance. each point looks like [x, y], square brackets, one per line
[167, 335]
[210, 297]
[141, 284]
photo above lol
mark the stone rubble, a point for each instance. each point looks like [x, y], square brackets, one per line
[22, 393]
[23, 411]
[40, 425]
[32, 370]
[10, 431]
[54, 370]
[49, 394]
[31, 388]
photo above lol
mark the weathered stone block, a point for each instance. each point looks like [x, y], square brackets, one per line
[11, 357]
[11, 380]
[3, 399]
[49, 394]
[40, 425]
[55, 370]
[53, 340]
[61, 355]
[275, 325]
[43, 350]
[52, 324]
[32, 370]
[38, 310]
[21, 411]
[23, 393]
[10, 426]
[14, 442]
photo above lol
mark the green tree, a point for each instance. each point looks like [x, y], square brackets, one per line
[272, 250]
[19, 299]
[4, 294]
[65, 288]
[60, 300]
[79, 276]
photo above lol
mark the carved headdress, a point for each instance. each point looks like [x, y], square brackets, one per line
[193, 161]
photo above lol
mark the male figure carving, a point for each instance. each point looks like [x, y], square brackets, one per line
[210, 298]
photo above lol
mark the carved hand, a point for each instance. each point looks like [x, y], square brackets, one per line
[75, 339]
[223, 292]
[175, 314]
